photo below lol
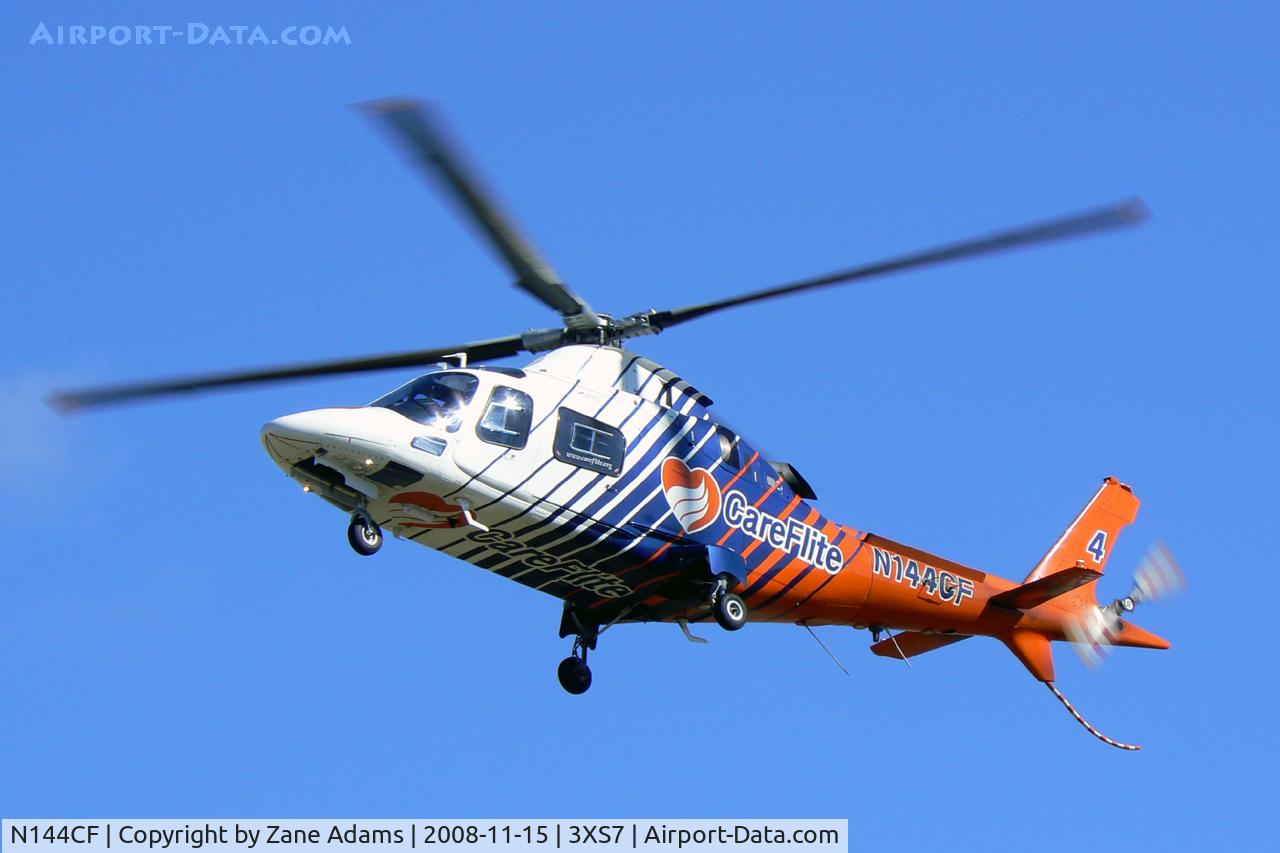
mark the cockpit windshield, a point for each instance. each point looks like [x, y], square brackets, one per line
[436, 399]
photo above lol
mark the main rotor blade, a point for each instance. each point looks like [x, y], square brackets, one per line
[1126, 213]
[422, 134]
[72, 401]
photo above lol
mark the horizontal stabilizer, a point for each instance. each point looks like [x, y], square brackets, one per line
[914, 643]
[1129, 634]
[1037, 592]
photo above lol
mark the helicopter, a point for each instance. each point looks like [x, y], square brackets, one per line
[596, 475]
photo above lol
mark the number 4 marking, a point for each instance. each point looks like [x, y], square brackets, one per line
[1097, 546]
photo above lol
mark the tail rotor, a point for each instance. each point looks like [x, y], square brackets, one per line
[1158, 576]
[1098, 628]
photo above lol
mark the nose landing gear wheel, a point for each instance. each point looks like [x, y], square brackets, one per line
[574, 674]
[365, 536]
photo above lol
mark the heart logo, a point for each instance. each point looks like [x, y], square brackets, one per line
[692, 493]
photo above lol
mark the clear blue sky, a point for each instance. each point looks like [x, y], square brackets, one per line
[185, 634]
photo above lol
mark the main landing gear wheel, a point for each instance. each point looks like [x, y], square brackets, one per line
[728, 608]
[365, 536]
[730, 611]
[574, 674]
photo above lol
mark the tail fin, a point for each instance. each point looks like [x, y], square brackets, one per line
[1067, 574]
[1088, 541]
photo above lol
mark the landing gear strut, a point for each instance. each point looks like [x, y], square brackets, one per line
[364, 534]
[728, 608]
[573, 672]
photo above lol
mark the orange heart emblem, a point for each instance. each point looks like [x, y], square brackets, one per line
[692, 493]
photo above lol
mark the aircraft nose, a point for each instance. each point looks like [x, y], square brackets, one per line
[298, 436]
[313, 424]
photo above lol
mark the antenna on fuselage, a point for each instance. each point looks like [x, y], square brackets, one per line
[830, 653]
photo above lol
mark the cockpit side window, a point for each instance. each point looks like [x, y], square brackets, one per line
[507, 418]
[436, 399]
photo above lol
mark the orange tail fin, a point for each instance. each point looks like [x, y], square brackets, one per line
[1088, 541]
[1068, 575]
